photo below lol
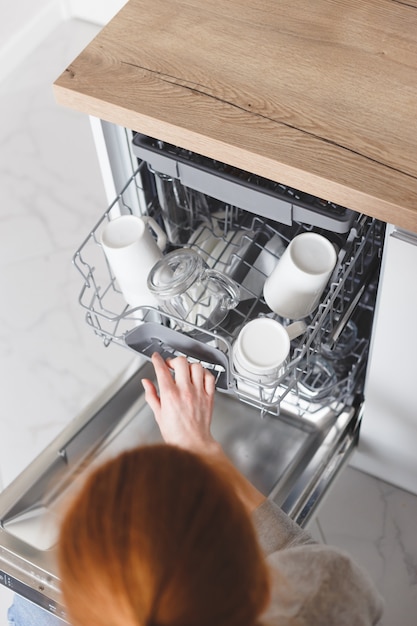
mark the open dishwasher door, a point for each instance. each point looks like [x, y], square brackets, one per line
[289, 461]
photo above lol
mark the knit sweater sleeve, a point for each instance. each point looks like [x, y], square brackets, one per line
[312, 584]
[276, 530]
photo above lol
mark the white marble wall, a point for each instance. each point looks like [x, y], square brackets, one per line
[51, 364]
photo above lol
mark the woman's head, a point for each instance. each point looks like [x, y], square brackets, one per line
[157, 538]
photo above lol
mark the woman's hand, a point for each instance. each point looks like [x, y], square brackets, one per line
[183, 410]
[184, 407]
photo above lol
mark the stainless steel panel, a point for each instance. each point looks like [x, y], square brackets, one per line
[284, 457]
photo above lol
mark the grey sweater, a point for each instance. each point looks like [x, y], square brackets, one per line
[312, 584]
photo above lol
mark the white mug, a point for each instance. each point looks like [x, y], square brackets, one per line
[132, 251]
[295, 286]
[262, 347]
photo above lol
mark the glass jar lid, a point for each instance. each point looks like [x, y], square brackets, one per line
[175, 273]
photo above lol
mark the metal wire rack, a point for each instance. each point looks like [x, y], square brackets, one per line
[327, 361]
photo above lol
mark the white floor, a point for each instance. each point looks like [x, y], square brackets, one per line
[52, 365]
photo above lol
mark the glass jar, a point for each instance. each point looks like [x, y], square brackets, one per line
[187, 288]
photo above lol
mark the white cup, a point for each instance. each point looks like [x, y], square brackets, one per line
[262, 347]
[132, 251]
[294, 287]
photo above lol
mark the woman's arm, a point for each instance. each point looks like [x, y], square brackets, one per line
[183, 410]
[320, 584]
[277, 531]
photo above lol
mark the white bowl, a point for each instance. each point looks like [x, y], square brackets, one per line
[261, 349]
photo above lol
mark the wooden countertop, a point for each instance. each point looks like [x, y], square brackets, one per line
[321, 96]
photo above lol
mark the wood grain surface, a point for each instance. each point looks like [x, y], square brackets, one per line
[318, 95]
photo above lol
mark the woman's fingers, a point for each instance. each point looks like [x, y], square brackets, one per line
[203, 378]
[181, 369]
[209, 383]
[163, 373]
[197, 375]
[183, 409]
[151, 396]
[185, 373]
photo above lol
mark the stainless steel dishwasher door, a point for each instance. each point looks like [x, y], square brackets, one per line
[287, 459]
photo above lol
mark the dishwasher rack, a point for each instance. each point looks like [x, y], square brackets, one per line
[327, 362]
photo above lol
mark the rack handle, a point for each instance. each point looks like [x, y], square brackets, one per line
[153, 337]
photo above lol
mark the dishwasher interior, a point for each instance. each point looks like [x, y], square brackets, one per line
[288, 438]
[326, 368]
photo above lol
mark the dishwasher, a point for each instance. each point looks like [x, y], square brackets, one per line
[290, 437]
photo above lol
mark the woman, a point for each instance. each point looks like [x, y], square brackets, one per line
[174, 535]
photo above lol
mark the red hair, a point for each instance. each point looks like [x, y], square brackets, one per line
[156, 537]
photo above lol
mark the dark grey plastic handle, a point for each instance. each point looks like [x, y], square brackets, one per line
[153, 337]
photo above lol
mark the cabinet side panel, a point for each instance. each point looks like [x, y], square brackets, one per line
[388, 440]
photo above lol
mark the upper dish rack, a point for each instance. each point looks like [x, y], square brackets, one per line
[326, 361]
